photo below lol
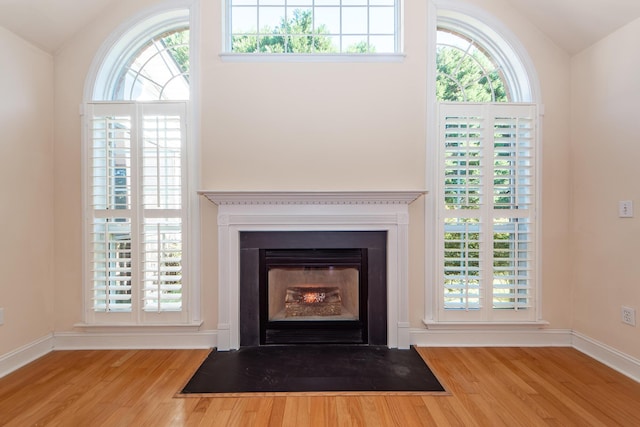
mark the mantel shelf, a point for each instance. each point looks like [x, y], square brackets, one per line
[311, 197]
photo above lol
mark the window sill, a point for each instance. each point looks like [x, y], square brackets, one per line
[434, 325]
[133, 327]
[312, 57]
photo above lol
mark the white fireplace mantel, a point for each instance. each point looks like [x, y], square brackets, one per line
[310, 197]
[313, 211]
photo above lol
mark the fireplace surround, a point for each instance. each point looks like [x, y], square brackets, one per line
[310, 287]
[345, 211]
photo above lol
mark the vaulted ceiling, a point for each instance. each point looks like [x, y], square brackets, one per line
[577, 24]
[571, 24]
[50, 23]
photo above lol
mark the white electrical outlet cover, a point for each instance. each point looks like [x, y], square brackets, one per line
[625, 209]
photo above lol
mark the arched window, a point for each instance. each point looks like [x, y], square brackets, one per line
[136, 175]
[496, 53]
[466, 72]
[157, 71]
[149, 62]
[486, 195]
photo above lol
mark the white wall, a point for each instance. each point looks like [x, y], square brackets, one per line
[605, 151]
[313, 126]
[26, 189]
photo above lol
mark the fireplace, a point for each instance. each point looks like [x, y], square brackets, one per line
[301, 287]
[241, 213]
[313, 296]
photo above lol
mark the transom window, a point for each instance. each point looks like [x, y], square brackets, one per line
[313, 26]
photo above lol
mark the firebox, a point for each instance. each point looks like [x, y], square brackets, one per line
[313, 296]
[311, 287]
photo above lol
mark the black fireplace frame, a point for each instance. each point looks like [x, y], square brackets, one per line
[372, 329]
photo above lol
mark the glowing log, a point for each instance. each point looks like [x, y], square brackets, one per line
[312, 301]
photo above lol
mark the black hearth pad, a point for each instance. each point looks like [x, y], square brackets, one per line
[313, 368]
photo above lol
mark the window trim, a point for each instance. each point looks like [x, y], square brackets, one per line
[311, 57]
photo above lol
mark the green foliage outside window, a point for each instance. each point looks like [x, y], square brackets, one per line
[295, 35]
[178, 44]
[467, 74]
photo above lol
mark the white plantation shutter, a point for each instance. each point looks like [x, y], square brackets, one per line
[136, 211]
[111, 243]
[487, 212]
[162, 265]
[162, 183]
[462, 274]
[111, 161]
[162, 162]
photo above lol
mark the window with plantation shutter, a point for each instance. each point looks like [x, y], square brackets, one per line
[486, 212]
[136, 163]
[137, 226]
[482, 225]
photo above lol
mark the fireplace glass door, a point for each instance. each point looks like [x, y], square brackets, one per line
[326, 293]
[312, 296]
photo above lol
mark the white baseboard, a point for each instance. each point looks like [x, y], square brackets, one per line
[475, 337]
[611, 357]
[603, 353]
[134, 340]
[26, 354]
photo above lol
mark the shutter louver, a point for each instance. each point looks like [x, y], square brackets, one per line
[513, 163]
[463, 162]
[111, 241]
[462, 273]
[111, 162]
[162, 168]
[162, 266]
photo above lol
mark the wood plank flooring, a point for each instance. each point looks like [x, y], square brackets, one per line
[487, 387]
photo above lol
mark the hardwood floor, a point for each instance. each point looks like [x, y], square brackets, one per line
[488, 387]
